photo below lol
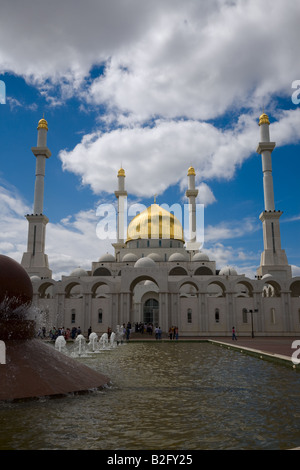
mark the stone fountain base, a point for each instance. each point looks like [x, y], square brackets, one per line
[35, 369]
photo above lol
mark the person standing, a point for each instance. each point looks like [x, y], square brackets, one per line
[176, 332]
[128, 330]
[233, 334]
[156, 332]
[159, 332]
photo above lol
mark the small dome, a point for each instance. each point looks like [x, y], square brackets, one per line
[200, 257]
[177, 257]
[266, 276]
[121, 172]
[129, 257]
[42, 124]
[155, 257]
[78, 272]
[107, 258]
[144, 263]
[228, 271]
[191, 171]
[35, 278]
[264, 119]
[149, 283]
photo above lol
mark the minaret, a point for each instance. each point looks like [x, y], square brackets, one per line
[191, 194]
[273, 259]
[121, 195]
[35, 261]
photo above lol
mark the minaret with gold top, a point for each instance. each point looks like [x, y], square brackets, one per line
[35, 261]
[273, 259]
[121, 195]
[191, 194]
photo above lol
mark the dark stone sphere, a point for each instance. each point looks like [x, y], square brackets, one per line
[15, 288]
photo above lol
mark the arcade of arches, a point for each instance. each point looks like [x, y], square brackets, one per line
[200, 305]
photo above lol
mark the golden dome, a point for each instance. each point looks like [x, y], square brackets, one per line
[121, 172]
[155, 223]
[43, 124]
[191, 171]
[263, 119]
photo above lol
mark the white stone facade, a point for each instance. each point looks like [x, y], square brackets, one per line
[208, 305]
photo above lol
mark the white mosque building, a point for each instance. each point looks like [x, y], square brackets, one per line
[157, 277]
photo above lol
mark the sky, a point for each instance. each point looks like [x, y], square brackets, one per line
[154, 87]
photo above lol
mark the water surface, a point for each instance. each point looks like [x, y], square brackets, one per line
[180, 396]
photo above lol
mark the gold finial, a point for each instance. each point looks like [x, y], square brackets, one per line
[155, 195]
[43, 124]
[263, 119]
[121, 172]
[191, 171]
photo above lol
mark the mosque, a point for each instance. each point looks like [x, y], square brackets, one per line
[157, 277]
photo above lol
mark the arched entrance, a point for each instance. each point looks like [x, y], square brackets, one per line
[142, 289]
[151, 311]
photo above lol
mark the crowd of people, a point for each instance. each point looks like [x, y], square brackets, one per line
[71, 334]
[149, 328]
[173, 332]
[54, 332]
[144, 328]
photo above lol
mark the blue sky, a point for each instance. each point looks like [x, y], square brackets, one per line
[155, 87]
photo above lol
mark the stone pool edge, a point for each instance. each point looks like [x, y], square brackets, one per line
[271, 357]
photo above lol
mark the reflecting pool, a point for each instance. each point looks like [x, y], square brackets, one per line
[164, 396]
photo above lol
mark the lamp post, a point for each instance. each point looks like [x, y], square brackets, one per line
[252, 330]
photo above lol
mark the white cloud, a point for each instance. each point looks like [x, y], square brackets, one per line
[230, 229]
[162, 153]
[286, 129]
[295, 218]
[196, 59]
[13, 225]
[74, 243]
[205, 195]
[295, 271]
[201, 64]
[62, 40]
